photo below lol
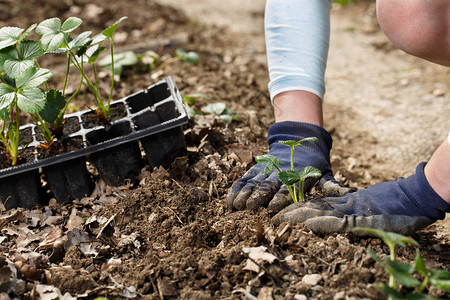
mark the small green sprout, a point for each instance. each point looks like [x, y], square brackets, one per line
[402, 273]
[291, 177]
[220, 109]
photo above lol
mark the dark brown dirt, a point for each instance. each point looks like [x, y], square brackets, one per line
[171, 236]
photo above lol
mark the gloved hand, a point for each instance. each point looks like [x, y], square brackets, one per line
[255, 189]
[403, 206]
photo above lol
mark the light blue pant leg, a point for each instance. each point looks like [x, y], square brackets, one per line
[297, 40]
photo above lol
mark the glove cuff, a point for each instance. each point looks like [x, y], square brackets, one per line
[289, 130]
[426, 198]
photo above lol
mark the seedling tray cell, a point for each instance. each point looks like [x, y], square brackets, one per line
[153, 115]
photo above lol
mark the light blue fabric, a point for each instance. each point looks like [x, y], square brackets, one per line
[297, 39]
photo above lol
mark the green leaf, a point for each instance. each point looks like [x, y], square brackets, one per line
[440, 283]
[389, 237]
[406, 279]
[440, 274]
[420, 297]
[80, 41]
[29, 50]
[392, 293]
[71, 24]
[269, 160]
[49, 26]
[290, 143]
[9, 36]
[53, 106]
[401, 267]
[27, 32]
[14, 61]
[7, 95]
[31, 100]
[93, 53]
[33, 77]
[51, 42]
[307, 172]
[312, 139]
[180, 53]
[98, 39]
[109, 32]
[192, 57]
[4, 114]
[289, 177]
[53, 34]
[420, 265]
[191, 98]
[215, 108]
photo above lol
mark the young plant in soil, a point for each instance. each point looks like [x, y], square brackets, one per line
[19, 87]
[290, 177]
[401, 273]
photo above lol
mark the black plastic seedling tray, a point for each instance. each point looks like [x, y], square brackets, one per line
[153, 117]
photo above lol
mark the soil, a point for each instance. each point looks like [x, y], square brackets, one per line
[171, 236]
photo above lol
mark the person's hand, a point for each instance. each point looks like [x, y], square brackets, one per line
[255, 189]
[403, 206]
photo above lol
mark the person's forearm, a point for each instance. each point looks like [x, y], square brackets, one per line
[297, 39]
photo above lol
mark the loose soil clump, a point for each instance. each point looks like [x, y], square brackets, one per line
[170, 234]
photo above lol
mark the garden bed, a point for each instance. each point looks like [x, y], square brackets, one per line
[170, 235]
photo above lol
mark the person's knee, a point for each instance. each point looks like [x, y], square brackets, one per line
[418, 27]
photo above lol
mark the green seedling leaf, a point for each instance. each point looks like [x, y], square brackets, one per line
[9, 36]
[420, 297]
[80, 41]
[401, 267]
[307, 172]
[4, 114]
[289, 177]
[440, 274]
[392, 293]
[389, 237]
[27, 32]
[53, 106]
[420, 265]
[293, 144]
[31, 100]
[215, 108]
[7, 95]
[15, 61]
[33, 77]
[71, 24]
[189, 57]
[128, 58]
[270, 161]
[53, 34]
[229, 115]
[441, 284]
[98, 39]
[290, 143]
[192, 57]
[93, 53]
[191, 98]
[109, 32]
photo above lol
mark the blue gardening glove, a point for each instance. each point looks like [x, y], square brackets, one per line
[255, 189]
[403, 206]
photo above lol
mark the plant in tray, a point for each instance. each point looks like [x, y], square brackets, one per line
[23, 82]
[19, 87]
[80, 50]
[290, 177]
